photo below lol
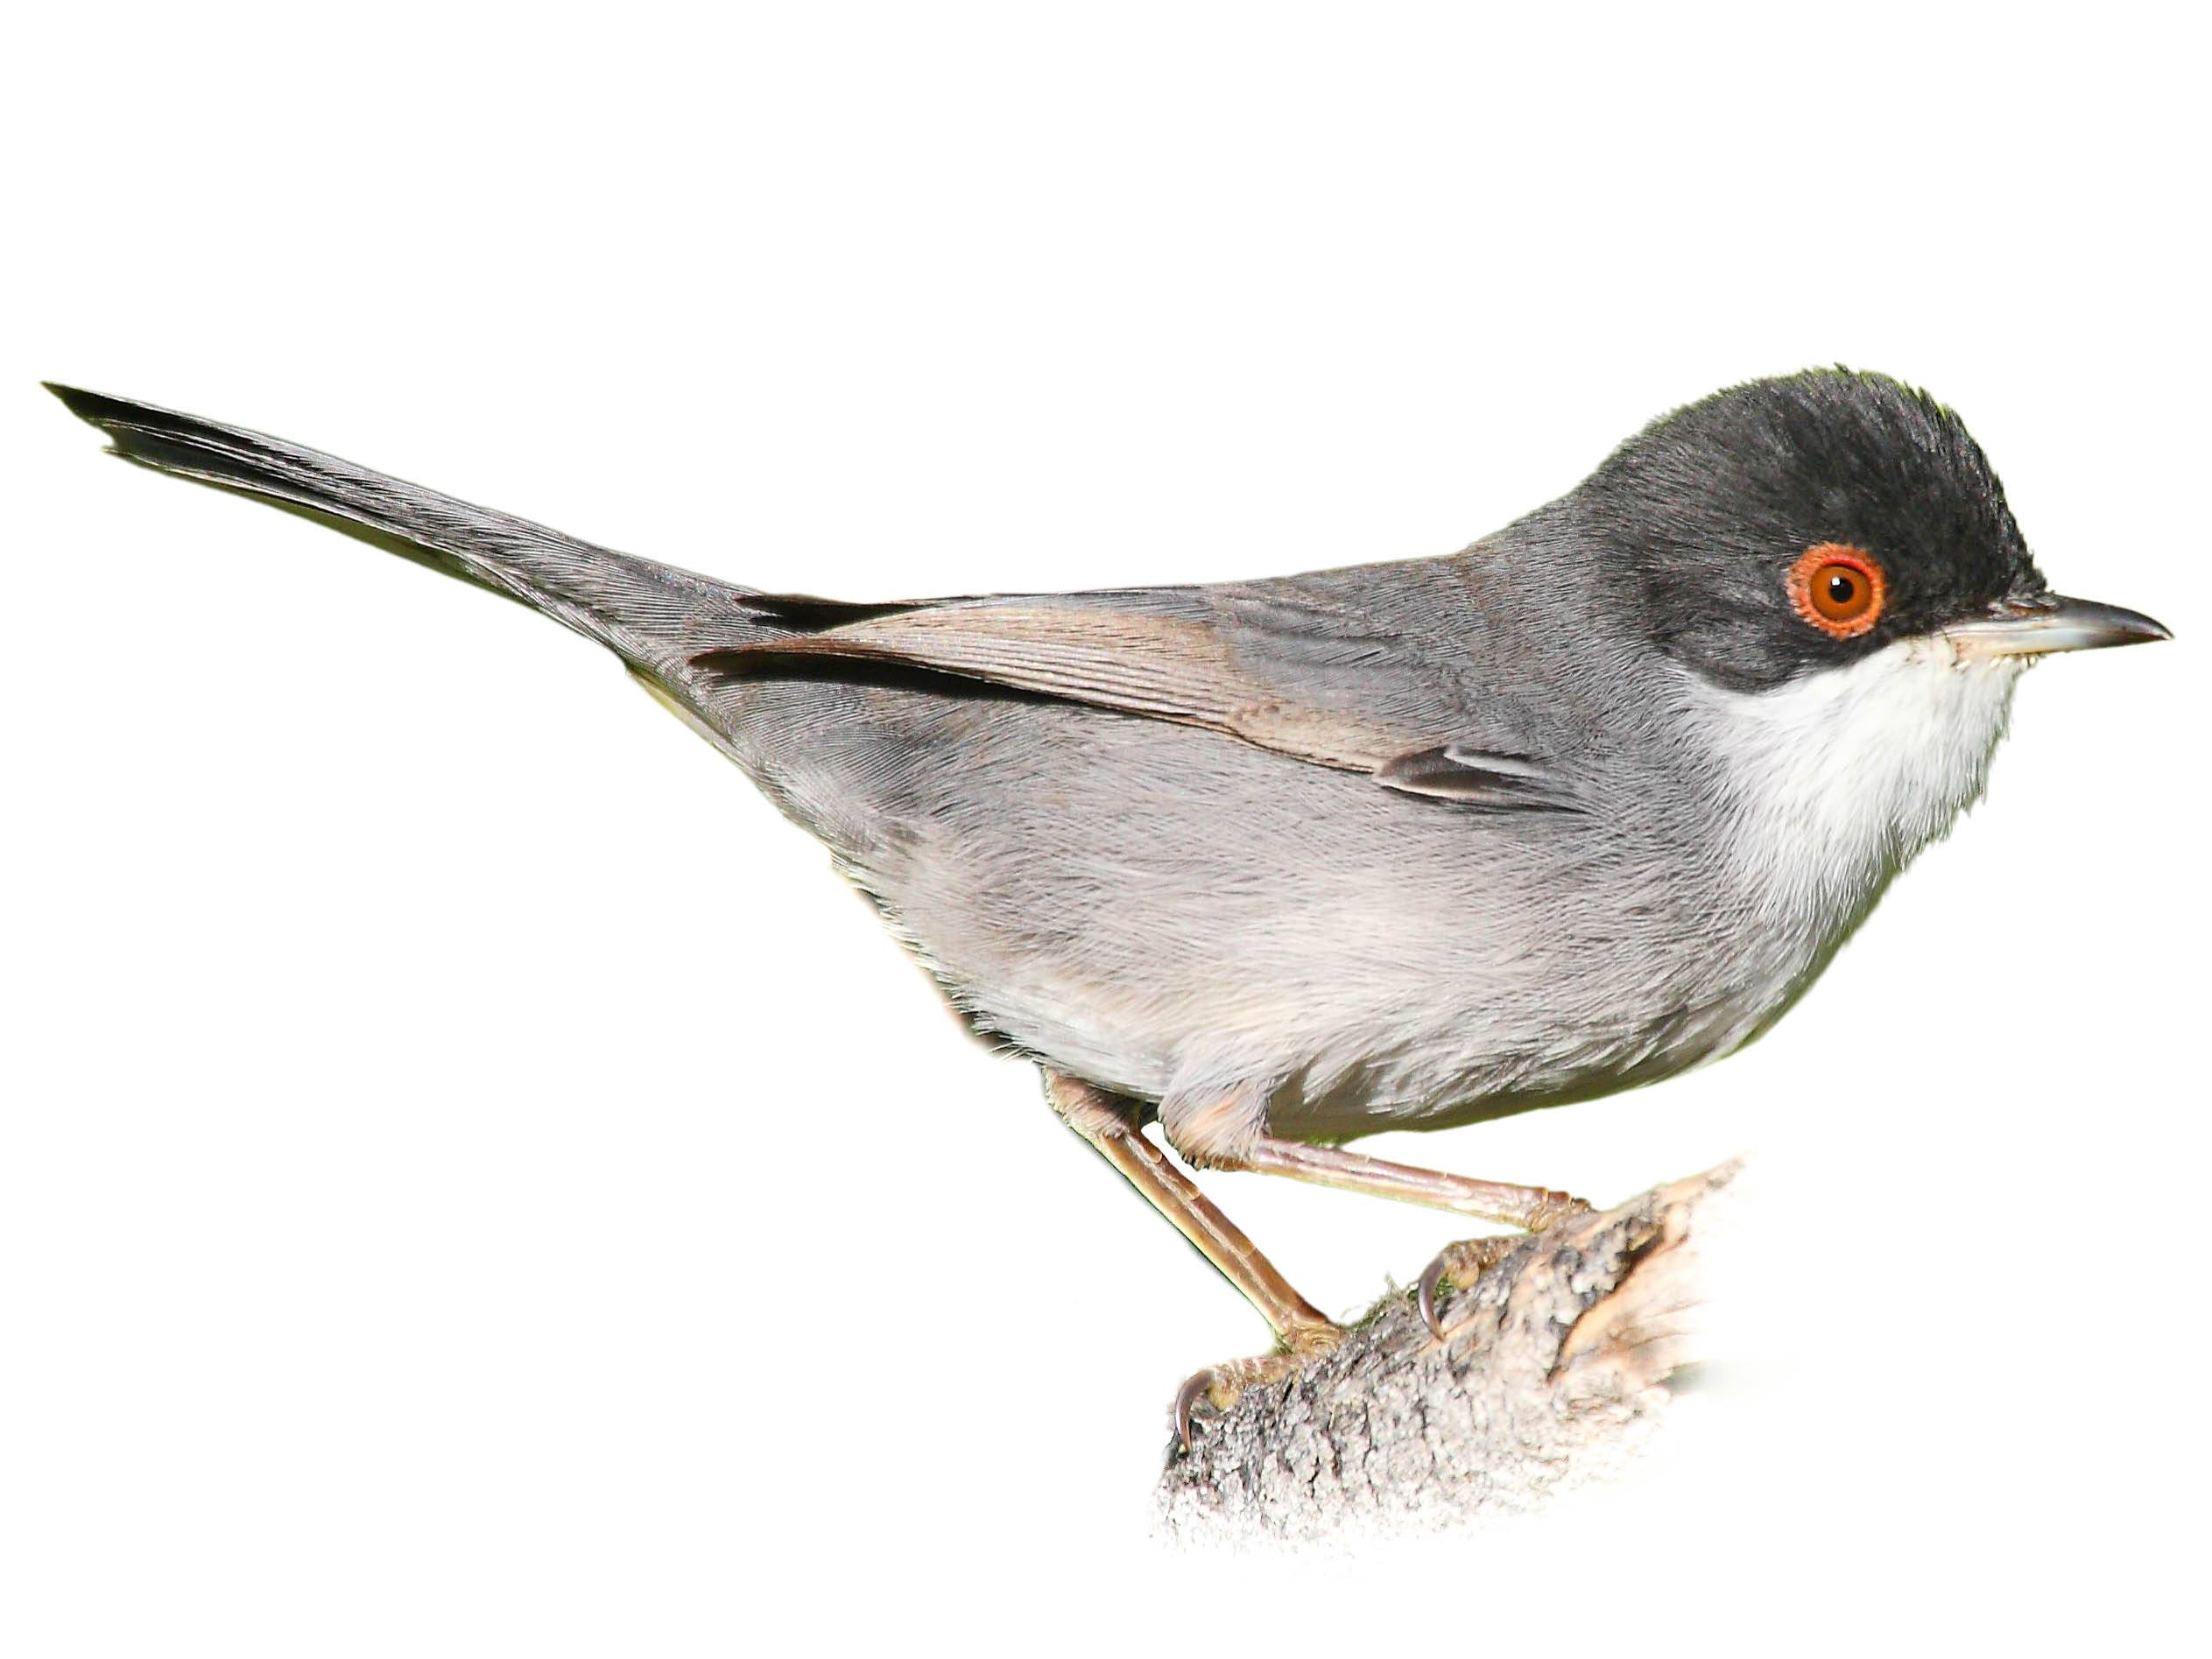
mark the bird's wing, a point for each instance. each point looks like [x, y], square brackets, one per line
[1295, 667]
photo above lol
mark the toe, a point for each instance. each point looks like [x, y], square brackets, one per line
[1220, 1386]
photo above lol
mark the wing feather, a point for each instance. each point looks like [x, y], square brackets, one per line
[1286, 680]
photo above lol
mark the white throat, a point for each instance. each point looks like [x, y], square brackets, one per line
[1836, 780]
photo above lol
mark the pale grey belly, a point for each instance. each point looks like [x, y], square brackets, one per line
[1169, 912]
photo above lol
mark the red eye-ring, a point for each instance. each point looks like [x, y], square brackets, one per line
[1838, 589]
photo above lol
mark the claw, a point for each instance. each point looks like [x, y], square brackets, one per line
[1461, 1263]
[1221, 1385]
[1195, 1388]
[1433, 1277]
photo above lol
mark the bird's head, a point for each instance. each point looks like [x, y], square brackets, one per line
[1789, 526]
[1829, 560]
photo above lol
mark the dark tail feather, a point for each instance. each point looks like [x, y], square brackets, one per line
[645, 611]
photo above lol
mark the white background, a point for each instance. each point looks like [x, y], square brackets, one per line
[472, 1181]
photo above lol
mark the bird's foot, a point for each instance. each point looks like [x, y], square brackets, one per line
[1457, 1266]
[1220, 1386]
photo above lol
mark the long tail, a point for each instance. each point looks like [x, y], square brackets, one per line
[647, 613]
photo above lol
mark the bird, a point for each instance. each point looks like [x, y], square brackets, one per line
[1276, 864]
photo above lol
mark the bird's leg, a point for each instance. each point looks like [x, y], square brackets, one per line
[1532, 1208]
[1230, 1132]
[1457, 1265]
[1110, 1124]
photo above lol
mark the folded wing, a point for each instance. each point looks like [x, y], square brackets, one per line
[1300, 673]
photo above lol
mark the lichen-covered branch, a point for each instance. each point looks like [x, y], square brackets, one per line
[1554, 1373]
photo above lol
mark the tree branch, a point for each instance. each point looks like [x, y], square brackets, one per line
[1553, 1374]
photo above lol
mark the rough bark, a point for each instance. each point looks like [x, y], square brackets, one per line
[1553, 1373]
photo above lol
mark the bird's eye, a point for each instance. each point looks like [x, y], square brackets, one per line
[1838, 589]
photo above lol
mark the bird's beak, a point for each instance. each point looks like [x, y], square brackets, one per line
[2052, 624]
